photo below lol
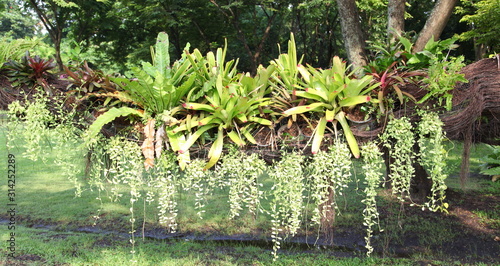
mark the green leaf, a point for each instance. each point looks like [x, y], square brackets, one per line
[109, 116]
[235, 137]
[355, 100]
[318, 135]
[216, 149]
[351, 139]
[192, 138]
[161, 57]
[304, 108]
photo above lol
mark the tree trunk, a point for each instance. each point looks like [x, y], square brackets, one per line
[435, 24]
[327, 211]
[396, 18]
[351, 31]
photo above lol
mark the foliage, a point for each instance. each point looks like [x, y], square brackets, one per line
[159, 87]
[88, 80]
[287, 204]
[483, 21]
[30, 70]
[202, 182]
[398, 138]
[395, 65]
[432, 156]
[331, 93]
[442, 78]
[491, 162]
[373, 177]
[33, 119]
[241, 173]
[329, 172]
[15, 49]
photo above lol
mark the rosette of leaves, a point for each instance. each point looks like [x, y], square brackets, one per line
[232, 111]
[329, 92]
[30, 71]
[392, 80]
[157, 91]
[284, 81]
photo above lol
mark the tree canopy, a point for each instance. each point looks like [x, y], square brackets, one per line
[121, 32]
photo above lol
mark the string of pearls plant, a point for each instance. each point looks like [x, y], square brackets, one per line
[432, 156]
[329, 171]
[287, 204]
[42, 130]
[399, 139]
[241, 173]
[372, 164]
[126, 168]
[202, 182]
[29, 125]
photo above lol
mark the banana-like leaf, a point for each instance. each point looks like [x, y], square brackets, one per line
[176, 140]
[245, 131]
[313, 94]
[355, 86]
[305, 74]
[161, 57]
[351, 139]
[381, 101]
[260, 120]
[338, 67]
[109, 116]
[318, 135]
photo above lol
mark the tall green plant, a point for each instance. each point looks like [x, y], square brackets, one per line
[330, 93]
[233, 111]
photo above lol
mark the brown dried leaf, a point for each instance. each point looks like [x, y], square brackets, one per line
[148, 146]
[160, 136]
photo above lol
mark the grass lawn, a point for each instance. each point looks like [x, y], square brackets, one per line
[53, 227]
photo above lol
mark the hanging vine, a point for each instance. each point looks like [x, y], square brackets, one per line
[200, 181]
[372, 163]
[330, 172]
[287, 204]
[432, 156]
[399, 139]
[240, 172]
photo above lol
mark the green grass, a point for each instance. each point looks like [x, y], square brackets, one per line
[47, 247]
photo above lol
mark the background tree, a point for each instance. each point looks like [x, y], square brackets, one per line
[483, 20]
[354, 40]
[15, 21]
[53, 15]
[436, 23]
[395, 18]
